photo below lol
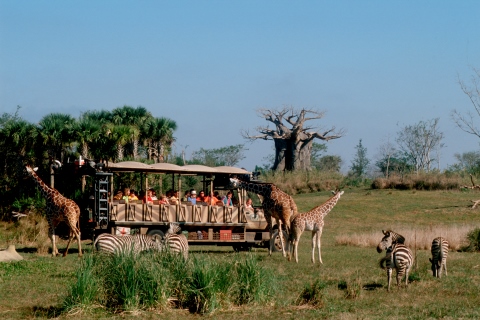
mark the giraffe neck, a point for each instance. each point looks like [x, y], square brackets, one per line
[328, 206]
[258, 188]
[46, 191]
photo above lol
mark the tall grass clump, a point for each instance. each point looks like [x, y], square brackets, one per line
[304, 181]
[419, 237]
[136, 283]
[254, 283]
[473, 238]
[421, 181]
[84, 291]
[312, 294]
[201, 289]
[31, 231]
[149, 281]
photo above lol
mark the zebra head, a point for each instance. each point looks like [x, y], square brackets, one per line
[390, 237]
[157, 244]
[174, 228]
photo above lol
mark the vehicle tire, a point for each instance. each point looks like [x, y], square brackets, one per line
[277, 247]
[155, 233]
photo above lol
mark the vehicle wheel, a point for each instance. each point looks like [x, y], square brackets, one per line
[277, 247]
[155, 233]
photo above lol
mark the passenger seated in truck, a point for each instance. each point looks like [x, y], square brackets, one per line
[148, 198]
[132, 196]
[228, 201]
[186, 196]
[202, 198]
[118, 196]
[126, 194]
[174, 198]
[193, 197]
[163, 200]
[212, 200]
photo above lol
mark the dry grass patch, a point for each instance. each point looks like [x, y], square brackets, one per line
[421, 238]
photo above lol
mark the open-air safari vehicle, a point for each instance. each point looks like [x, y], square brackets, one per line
[203, 224]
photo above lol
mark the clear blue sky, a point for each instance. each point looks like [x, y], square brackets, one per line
[373, 66]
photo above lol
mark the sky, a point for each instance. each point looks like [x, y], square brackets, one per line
[374, 67]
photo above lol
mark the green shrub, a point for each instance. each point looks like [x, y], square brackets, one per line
[473, 238]
[312, 294]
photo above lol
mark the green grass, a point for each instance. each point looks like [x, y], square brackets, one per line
[348, 285]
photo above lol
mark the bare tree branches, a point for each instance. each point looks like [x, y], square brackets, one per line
[466, 122]
[419, 140]
[296, 119]
[293, 139]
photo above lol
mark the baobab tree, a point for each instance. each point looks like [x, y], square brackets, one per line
[292, 138]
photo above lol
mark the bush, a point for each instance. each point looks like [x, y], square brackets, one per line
[473, 238]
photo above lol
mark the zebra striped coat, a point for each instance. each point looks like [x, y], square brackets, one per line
[439, 256]
[400, 258]
[123, 244]
[390, 237]
[174, 242]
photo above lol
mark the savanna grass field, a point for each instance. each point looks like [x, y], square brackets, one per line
[253, 285]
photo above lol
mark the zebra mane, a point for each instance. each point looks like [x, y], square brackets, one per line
[174, 228]
[396, 237]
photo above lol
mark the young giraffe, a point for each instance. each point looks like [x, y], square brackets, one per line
[311, 221]
[59, 209]
[276, 204]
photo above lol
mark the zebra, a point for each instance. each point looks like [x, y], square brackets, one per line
[439, 256]
[400, 257]
[177, 243]
[390, 237]
[122, 244]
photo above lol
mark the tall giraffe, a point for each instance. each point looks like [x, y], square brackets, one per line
[276, 204]
[311, 221]
[59, 209]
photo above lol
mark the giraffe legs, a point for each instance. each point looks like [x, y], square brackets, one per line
[316, 236]
[51, 235]
[280, 233]
[295, 240]
[74, 232]
[269, 225]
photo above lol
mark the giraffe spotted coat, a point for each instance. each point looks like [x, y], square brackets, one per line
[59, 209]
[276, 204]
[311, 221]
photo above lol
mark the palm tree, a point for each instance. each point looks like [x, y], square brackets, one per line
[120, 135]
[160, 135]
[86, 131]
[135, 118]
[56, 132]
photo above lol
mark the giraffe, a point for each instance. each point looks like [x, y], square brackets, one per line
[276, 204]
[311, 221]
[59, 209]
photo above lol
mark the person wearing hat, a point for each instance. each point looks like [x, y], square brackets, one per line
[193, 197]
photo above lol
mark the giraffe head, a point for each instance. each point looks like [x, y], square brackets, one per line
[234, 182]
[30, 170]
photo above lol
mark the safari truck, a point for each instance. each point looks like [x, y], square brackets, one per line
[201, 223]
